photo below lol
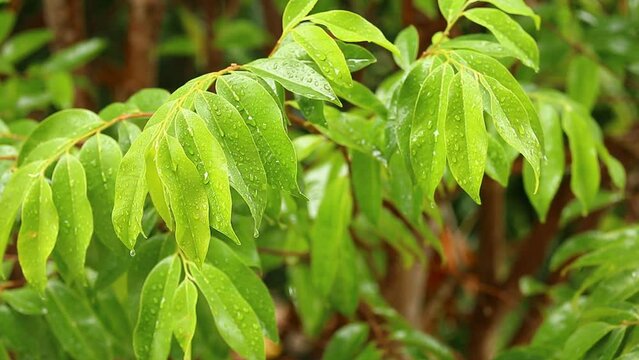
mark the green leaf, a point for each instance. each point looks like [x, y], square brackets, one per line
[350, 27]
[152, 334]
[20, 46]
[248, 284]
[310, 305]
[611, 345]
[367, 184]
[512, 123]
[295, 11]
[516, 7]
[324, 51]
[509, 33]
[553, 163]
[38, 233]
[210, 161]
[74, 56]
[69, 187]
[582, 82]
[313, 111]
[615, 168]
[131, 189]
[451, 9]
[12, 197]
[466, 138]
[68, 124]
[184, 315]
[482, 43]
[583, 339]
[328, 233]
[427, 134]
[24, 300]
[157, 190]
[127, 133]
[264, 119]
[497, 162]
[344, 295]
[235, 320]
[490, 67]
[361, 96]
[295, 76]
[407, 98]
[187, 198]
[246, 172]
[347, 342]
[407, 42]
[148, 100]
[101, 156]
[7, 20]
[61, 89]
[74, 324]
[357, 57]
[584, 175]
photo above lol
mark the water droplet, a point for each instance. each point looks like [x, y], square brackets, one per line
[132, 252]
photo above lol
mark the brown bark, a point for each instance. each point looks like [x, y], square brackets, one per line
[145, 22]
[530, 257]
[65, 18]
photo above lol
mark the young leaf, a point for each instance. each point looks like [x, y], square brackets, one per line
[366, 175]
[248, 284]
[350, 27]
[12, 197]
[235, 320]
[246, 172]
[74, 56]
[295, 11]
[75, 325]
[296, 77]
[451, 9]
[509, 33]
[584, 175]
[131, 189]
[264, 119]
[67, 124]
[407, 43]
[152, 334]
[512, 123]
[325, 52]
[69, 187]
[184, 315]
[427, 140]
[38, 233]
[187, 198]
[553, 163]
[328, 233]
[209, 159]
[466, 138]
[100, 156]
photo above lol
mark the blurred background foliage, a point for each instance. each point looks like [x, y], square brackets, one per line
[58, 54]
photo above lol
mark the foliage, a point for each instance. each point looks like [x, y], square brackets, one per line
[160, 217]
